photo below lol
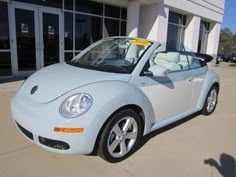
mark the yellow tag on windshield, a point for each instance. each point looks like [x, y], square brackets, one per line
[142, 42]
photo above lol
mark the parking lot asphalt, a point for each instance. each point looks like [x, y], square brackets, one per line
[184, 149]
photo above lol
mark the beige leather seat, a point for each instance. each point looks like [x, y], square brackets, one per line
[169, 60]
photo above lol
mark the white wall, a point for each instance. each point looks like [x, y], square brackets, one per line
[192, 32]
[209, 9]
[132, 25]
[153, 22]
[213, 39]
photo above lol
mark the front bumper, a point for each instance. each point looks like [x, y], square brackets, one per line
[37, 121]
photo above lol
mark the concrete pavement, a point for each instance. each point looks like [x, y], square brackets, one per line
[179, 151]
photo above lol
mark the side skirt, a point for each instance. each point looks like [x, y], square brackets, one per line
[173, 119]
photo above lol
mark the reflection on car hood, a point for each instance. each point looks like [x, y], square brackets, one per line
[51, 82]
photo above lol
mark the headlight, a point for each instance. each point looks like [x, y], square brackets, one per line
[76, 105]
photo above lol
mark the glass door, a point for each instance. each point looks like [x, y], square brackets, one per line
[24, 29]
[37, 36]
[25, 35]
[51, 36]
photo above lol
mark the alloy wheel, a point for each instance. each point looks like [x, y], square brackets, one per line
[122, 137]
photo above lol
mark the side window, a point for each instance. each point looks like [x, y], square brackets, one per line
[184, 63]
[195, 62]
[173, 61]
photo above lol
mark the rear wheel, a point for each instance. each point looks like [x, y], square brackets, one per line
[120, 137]
[211, 101]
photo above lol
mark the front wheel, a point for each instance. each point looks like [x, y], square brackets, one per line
[211, 101]
[120, 137]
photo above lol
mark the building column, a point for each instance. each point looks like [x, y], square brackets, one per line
[192, 33]
[132, 18]
[154, 22]
[213, 39]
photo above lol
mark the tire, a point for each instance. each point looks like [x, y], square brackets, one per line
[120, 137]
[211, 101]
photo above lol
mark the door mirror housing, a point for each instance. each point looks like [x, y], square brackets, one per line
[157, 71]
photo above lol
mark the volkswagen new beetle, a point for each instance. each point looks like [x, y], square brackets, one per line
[110, 95]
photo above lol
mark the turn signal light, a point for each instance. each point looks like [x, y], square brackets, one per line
[68, 130]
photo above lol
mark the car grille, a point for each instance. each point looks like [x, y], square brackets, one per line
[25, 132]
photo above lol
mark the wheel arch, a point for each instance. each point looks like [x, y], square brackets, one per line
[133, 107]
[210, 80]
[217, 84]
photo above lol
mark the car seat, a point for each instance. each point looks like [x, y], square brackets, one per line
[169, 60]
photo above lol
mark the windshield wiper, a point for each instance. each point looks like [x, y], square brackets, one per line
[112, 68]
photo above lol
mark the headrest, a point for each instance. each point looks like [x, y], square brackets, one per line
[173, 57]
[169, 56]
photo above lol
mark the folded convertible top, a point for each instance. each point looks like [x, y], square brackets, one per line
[201, 56]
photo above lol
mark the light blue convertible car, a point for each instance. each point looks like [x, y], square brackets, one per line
[110, 95]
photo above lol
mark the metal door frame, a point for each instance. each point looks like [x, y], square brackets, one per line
[38, 24]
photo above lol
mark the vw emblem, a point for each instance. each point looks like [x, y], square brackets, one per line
[33, 90]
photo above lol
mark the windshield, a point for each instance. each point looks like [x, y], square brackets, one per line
[117, 55]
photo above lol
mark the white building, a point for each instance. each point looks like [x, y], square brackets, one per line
[37, 33]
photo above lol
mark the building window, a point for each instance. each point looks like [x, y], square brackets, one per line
[68, 4]
[4, 28]
[111, 27]
[5, 57]
[88, 30]
[69, 56]
[68, 18]
[86, 22]
[176, 32]
[123, 29]
[112, 11]
[203, 36]
[88, 7]
[124, 13]
[49, 3]
[5, 64]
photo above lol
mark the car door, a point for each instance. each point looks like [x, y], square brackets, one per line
[172, 94]
[198, 69]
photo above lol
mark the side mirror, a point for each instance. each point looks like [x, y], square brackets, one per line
[157, 71]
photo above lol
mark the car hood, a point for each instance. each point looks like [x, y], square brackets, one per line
[53, 81]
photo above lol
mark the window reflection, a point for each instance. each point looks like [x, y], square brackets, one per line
[88, 30]
[124, 13]
[5, 64]
[68, 31]
[68, 4]
[177, 18]
[4, 29]
[123, 29]
[88, 23]
[112, 11]
[203, 37]
[176, 32]
[51, 38]
[175, 38]
[88, 7]
[111, 28]
[68, 56]
[25, 37]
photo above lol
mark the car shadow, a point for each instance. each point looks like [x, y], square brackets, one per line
[165, 81]
[157, 132]
[233, 65]
[226, 166]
